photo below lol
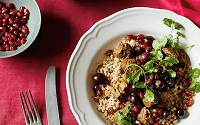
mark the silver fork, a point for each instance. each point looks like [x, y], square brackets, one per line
[34, 117]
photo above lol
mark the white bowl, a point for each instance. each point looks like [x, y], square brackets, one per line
[34, 24]
[89, 53]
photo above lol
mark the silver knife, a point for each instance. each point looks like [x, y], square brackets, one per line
[51, 97]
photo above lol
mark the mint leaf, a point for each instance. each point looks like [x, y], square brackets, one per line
[177, 26]
[126, 110]
[172, 73]
[197, 89]
[141, 85]
[169, 61]
[151, 70]
[133, 77]
[180, 34]
[168, 22]
[159, 43]
[149, 96]
[156, 54]
[149, 64]
[193, 84]
[194, 73]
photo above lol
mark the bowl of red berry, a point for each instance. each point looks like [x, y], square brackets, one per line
[20, 23]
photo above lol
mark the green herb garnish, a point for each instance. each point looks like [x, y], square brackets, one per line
[194, 75]
[134, 78]
[123, 118]
[174, 42]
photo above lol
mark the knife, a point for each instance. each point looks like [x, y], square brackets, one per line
[51, 97]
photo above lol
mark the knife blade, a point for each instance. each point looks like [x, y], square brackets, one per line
[51, 97]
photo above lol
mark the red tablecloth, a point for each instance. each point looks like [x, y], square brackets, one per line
[63, 23]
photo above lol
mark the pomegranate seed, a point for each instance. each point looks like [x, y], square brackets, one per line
[159, 67]
[160, 111]
[155, 114]
[111, 111]
[138, 122]
[5, 23]
[4, 20]
[7, 48]
[14, 37]
[96, 87]
[181, 74]
[11, 43]
[25, 30]
[21, 9]
[140, 106]
[18, 43]
[22, 35]
[1, 48]
[26, 12]
[12, 28]
[10, 6]
[7, 16]
[25, 17]
[148, 49]
[156, 76]
[144, 45]
[1, 16]
[2, 34]
[19, 14]
[140, 36]
[187, 83]
[16, 25]
[133, 114]
[11, 20]
[139, 62]
[156, 123]
[141, 94]
[4, 38]
[13, 12]
[121, 106]
[189, 103]
[129, 37]
[10, 39]
[16, 32]
[99, 92]
[136, 109]
[23, 41]
[12, 47]
[16, 20]
[4, 10]
[140, 41]
[1, 41]
[189, 93]
[23, 21]
[3, 28]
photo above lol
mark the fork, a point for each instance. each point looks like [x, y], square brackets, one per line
[35, 118]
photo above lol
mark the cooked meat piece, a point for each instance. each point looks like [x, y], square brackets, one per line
[150, 79]
[169, 51]
[145, 116]
[149, 104]
[127, 62]
[184, 58]
[124, 51]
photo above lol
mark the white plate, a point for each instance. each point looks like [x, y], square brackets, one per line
[92, 45]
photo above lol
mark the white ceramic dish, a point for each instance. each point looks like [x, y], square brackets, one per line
[90, 49]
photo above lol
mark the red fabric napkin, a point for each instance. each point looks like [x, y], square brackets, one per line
[186, 8]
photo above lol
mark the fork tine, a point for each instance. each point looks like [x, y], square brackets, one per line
[30, 119]
[33, 116]
[23, 109]
[34, 106]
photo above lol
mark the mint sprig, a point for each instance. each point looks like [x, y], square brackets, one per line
[123, 118]
[134, 78]
[194, 75]
[174, 42]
